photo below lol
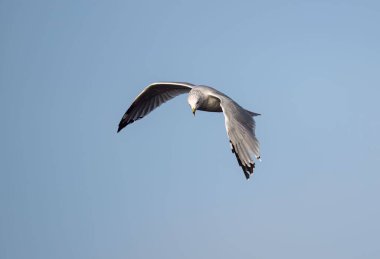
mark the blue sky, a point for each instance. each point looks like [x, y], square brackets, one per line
[168, 186]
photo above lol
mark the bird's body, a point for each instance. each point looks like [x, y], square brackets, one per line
[239, 122]
[208, 103]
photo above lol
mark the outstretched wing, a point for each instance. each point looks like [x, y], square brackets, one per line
[240, 127]
[150, 98]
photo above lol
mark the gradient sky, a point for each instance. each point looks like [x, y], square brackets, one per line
[168, 186]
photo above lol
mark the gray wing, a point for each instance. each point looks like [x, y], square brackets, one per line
[150, 98]
[240, 127]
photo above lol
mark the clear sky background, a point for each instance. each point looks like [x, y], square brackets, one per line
[168, 186]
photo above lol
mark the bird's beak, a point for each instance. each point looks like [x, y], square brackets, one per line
[193, 110]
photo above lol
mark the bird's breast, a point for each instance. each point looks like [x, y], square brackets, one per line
[211, 104]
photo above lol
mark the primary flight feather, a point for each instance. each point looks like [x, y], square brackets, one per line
[239, 122]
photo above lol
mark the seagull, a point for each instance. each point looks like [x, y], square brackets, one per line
[239, 122]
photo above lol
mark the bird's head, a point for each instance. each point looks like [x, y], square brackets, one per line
[194, 101]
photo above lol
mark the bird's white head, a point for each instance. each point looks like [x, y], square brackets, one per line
[194, 99]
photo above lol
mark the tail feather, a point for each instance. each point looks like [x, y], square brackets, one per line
[253, 113]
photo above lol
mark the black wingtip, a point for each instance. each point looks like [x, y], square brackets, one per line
[247, 169]
[120, 128]
[123, 123]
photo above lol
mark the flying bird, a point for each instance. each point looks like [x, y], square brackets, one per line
[239, 122]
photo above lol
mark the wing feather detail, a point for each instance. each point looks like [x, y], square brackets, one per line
[150, 98]
[240, 127]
